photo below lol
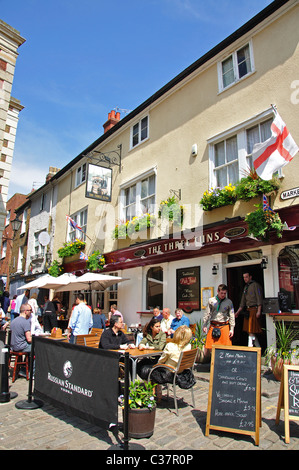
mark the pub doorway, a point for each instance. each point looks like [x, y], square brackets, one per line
[236, 285]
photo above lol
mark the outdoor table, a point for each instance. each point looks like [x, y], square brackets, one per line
[136, 355]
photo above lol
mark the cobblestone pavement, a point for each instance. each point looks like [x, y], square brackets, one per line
[49, 428]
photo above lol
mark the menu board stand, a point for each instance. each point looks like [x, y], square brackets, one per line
[234, 403]
[288, 397]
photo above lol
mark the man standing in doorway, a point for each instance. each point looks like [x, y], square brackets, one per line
[251, 305]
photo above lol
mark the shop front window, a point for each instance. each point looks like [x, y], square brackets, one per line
[288, 268]
[154, 288]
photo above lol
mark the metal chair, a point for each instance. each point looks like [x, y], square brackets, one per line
[186, 361]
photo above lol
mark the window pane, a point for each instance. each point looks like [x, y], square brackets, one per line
[144, 128]
[252, 138]
[231, 149]
[228, 72]
[144, 189]
[135, 134]
[154, 288]
[151, 184]
[244, 65]
[233, 173]
[221, 177]
[266, 130]
[219, 154]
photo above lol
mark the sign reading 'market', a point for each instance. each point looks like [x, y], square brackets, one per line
[289, 193]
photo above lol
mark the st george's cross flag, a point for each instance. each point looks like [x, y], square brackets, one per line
[276, 152]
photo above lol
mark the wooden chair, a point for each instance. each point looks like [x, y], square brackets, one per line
[80, 338]
[96, 331]
[16, 360]
[92, 341]
[186, 361]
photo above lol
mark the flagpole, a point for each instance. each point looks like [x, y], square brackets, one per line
[273, 106]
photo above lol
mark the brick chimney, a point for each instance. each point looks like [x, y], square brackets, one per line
[113, 118]
[52, 171]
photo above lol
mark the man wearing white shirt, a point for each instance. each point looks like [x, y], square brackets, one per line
[166, 321]
[20, 300]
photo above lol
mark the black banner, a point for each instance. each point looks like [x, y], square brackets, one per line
[81, 380]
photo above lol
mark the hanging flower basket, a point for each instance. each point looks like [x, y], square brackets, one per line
[171, 210]
[262, 222]
[95, 262]
[56, 269]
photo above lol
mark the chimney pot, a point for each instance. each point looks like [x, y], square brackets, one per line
[112, 120]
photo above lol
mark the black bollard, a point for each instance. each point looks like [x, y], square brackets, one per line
[5, 394]
[30, 404]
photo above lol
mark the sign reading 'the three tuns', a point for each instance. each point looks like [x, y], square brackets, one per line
[235, 390]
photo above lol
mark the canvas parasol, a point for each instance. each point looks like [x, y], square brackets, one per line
[91, 281]
[38, 282]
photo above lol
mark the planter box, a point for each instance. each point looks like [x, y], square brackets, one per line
[141, 422]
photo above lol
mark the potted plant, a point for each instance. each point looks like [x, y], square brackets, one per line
[252, 186]
[95, 262]
[71, 248]
[142, 409]
[261, 222]
[218, 197]
[141, 224]
[281, 352]
[198, 341]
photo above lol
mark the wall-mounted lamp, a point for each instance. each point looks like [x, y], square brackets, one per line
[194, 150]
[16, 224]
[264, 262]
[215, 269]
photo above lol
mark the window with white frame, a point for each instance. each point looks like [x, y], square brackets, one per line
[80, 218]
[139, 197]
[80, 175]
[7, 221]
[4, 249]
[236, 66]
[231, 153]
[24, 221]
[39, 250]
[139, 132]
[20, 259]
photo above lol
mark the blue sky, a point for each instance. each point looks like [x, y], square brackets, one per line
[83, 59]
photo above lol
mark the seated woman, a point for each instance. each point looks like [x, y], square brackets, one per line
[181, 342]
[153, 338]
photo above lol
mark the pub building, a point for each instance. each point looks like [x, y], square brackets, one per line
[194, 134]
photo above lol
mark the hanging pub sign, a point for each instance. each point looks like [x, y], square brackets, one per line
[188, 289]
[98, 183]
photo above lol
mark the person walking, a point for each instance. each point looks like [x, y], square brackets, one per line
[220, 316]
[81, 320]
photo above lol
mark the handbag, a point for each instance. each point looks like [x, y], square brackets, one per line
[185, 379]
[216, 333]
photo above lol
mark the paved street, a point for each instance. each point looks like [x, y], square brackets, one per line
[48, 428]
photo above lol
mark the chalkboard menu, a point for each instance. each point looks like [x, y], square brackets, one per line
[289, 397]
[234, 395]
[293, 392]
[188, 289]
[285, 303]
